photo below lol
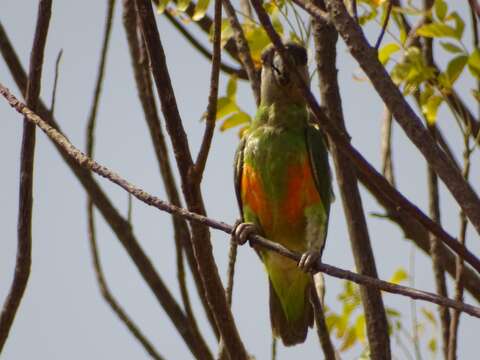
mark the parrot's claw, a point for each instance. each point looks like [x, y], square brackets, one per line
[242, 230]
[308, 259]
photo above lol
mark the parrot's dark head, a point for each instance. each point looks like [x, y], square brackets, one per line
[278, 83]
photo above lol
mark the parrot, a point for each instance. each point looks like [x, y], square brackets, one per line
[283, 186]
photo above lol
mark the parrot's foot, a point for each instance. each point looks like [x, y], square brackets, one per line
[242, 230]
[308, 259]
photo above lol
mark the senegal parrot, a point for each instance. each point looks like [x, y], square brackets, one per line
[283, 186]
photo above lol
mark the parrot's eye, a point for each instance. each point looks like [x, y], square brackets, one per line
[298, 53]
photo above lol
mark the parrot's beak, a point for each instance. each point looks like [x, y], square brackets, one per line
[280, 71]
[278, 79]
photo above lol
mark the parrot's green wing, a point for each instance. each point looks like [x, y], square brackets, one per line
[318, 155]
[237, 176]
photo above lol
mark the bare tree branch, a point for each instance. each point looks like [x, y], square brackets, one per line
[202, 246]
[402, 112]
[27, 157]
[90, 165]
[325, 37]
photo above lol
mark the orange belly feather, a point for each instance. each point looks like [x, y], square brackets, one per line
[300, 193]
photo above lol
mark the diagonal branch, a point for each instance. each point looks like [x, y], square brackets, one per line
[27, 157]
[88, 164]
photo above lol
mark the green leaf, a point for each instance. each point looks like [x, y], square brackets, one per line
[399, 276]
[437, 30]
[430, 108]
[455, 68]
[349, 340]
[387, 51]
[235, 120]
[429, 316]
[162, 5]
[182, 5]
[432, 345]
[441, 9]
[474, 63]
[392, 312]
[200, 9]
[225, 106]
[450, 47]
[232, 87]
[360, 328]
[226, 32]
[476, 94]
[459, 24]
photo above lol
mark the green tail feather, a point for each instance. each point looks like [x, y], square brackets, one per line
[294, 330]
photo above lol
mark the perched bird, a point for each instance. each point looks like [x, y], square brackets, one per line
[283, 186]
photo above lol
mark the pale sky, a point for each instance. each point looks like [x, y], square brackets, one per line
[62, 315]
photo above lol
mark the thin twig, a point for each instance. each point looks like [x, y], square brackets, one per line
[80, 158]
[403, 112]
[438, 268]
[202, 49]
[321, 325]
[55, 80]
[385, 24]
[92, 117]
[386, 148]
[201, 161]
[27, 157]
[434, 204]
[107, 295]
[460, 267]
[102, 284]
[243, 49]
[232, 258]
